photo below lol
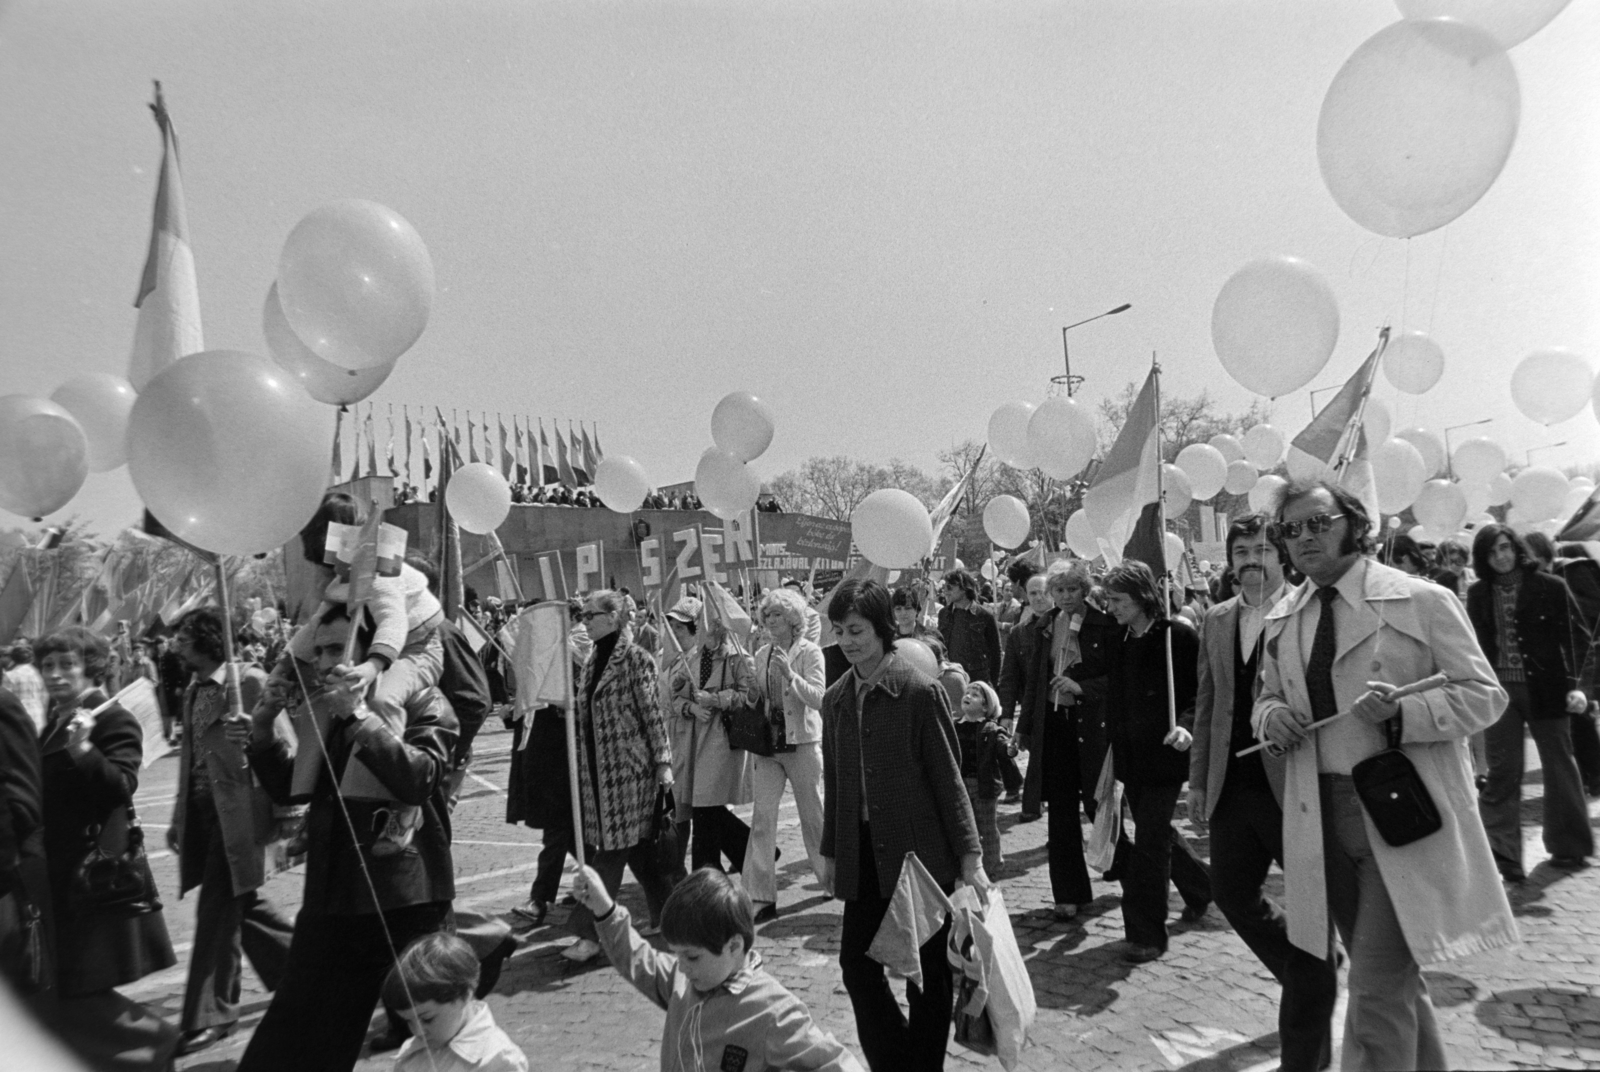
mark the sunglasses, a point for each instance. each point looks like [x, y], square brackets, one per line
[1317, 523]
[586, 615]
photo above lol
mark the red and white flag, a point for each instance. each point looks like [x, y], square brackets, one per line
[169, 299]
[1124, 503]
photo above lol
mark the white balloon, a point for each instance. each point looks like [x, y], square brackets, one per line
[1499, 489]
[1228, 446]
[1264, 446]
[1418, 533]
[1477, 460]
[1006, 521]
[1398, 473]
[1413, 362]
[1008, 434]
[1510, 22]
[1582, 482]
[1274, 325]
[1206, 468]
[1440, 507]
[1549, 386]
[1061, 437]
[1377, 420]
[1173, 546]
[621, 483]
[1241, 478]
[478, 497]
[100, 403]
[1417, 124]
[1576, 497]
[743, 425]
[1080, 535]
[1303, 466]
[1264, 495]
[1176, 491]
[1429, 445]
[1538, 492]
[892, 529]
[1477, 496]
[727, 485]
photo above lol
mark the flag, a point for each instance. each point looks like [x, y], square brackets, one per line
[720, 605]
[589, 459]
[522, 452]
[507, 462]
[405, 419]
[16, 599]
[543, 667]
[1330, 440]
[579, 472]
[456, 424]
[599, 455]
[472, 439]
[168, 326]
[355, 446]
[389, 451]
[338, 434]
[1584, 525]
[1123, 504]
[917, 911]
[372, 444]
[563, 465]
[547, 460]
[946, 509]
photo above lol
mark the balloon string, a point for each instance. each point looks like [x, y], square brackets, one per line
[1405, 290]
[355, 841]
[1444, 247]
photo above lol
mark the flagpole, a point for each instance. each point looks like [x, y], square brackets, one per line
[1166, 573]
[572, 743]
[1347, 455]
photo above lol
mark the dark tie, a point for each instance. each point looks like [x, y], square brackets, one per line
[1319, 670]
[706, 656]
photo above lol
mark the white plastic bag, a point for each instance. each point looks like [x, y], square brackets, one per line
[1102, 850]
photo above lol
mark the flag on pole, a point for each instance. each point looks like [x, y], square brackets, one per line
[721, 606]
[338, 454]
[16, 599]
[372, 444]
[522, 451]
[507, 461]
[1584, 525]
[405, 421]
[1334, 446]
[589, 459]
[540, 656]
[945, 510]
[599, 455]
[1123, 504]
[563, 464]
[389, 451]
[455, 423]
[168, 325]
[547, 461]
[427, 454]
[579, 472]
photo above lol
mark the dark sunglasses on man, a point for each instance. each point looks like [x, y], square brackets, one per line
[1317, 523]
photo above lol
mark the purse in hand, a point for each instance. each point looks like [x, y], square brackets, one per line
[114, 878]
[1393, 793]
[749, 728]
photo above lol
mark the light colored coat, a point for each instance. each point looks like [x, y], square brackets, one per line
[707, 770]
[1213, 709]
[1445, 888]
[802, 699]
[629, 737]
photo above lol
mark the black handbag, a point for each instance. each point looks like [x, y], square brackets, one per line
[664, 835]
[114, 877]
[1397, 801]
[749, 728]
[22, 957]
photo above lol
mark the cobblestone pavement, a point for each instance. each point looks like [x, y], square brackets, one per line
[1206, 1005]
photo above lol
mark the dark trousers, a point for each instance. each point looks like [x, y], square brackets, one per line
[1062, 774]
[641, 860]
[1160, 855]
[890, 1042]
[1566, 811]
[1033, 783]
[227, 927]
[1010, 774]
[318, 1019]
[1586, 750]
[1246, 838]
[552, 858]
[718, 833]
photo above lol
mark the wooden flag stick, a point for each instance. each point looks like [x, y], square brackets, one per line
[572, 741]
[1427, 683]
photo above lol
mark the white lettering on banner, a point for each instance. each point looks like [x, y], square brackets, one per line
[553, 576]
[688, 569]
[711, 555]
[650, 562]
[738, 540]
[589, 560]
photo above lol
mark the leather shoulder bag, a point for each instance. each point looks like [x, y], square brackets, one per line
[1397, 801]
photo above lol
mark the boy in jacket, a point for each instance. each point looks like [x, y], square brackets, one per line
[724, 1012]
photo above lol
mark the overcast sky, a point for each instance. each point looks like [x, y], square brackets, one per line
[876, 215]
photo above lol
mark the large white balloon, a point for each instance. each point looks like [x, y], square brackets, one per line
[1398, 473]
[892, 529]
[1477, 460]
[1429, 444]
[1377, 420]
[1274, 325]
[1206, 469]
[1264, 446]
[1228, 446]
[1006, 521]
[1175, 490]
[1440, 507]
[1417, 124]
[1499, 489]
[1265, 494]
[1549, 386]
[1538, 492]
[1477, 497]
[1008, 434]
[46, 456]
[1172, 544]
[621, 483]
[1509, 22]
[1241, 478]
[743, 425]
[228, 453]
[727, 486]
[1413, 362]
[1080, 535]
[100, 403]
[323, 380]
[356, 283]
[1061, 437]
[478, 497]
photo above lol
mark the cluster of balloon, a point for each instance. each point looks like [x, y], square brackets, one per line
[1008, 434]
[478, 497]
[742, 427]
[1274, 325]
[1550, 386]
[1080, 535]
[46, 456]
[227, 452]
[1176, 492]
[621, 483]
[1418, 123]
[892, 529]
[1006, 521]
[1398, 473]
[1206, 469]
[100, 403]
[1429, 444]
[1413, 363]
[1061, 437]
[1538, 493]
[323, 380]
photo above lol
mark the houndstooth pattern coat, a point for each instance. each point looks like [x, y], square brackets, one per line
[622, 736]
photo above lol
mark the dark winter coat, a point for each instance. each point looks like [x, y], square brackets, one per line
[1136, 702]
[1550, 634]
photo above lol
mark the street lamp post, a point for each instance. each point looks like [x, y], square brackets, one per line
[1547, 446]
[1069, 380]
[1449, 458]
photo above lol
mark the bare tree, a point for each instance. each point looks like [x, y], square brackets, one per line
[833, 487]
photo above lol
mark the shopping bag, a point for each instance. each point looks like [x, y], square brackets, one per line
[1102, 850]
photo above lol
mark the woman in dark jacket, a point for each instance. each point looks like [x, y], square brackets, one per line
[24, 887]
[891, 785]
[1536, 641]
[92, 750]
[1149, 755]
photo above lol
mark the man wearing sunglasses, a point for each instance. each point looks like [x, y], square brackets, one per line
[1341, 644]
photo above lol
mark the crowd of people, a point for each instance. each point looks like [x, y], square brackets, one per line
[1309, 671]
[563, 494]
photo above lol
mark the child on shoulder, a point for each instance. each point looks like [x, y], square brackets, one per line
[724, 1012]
[984, 743]
[431, 987]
